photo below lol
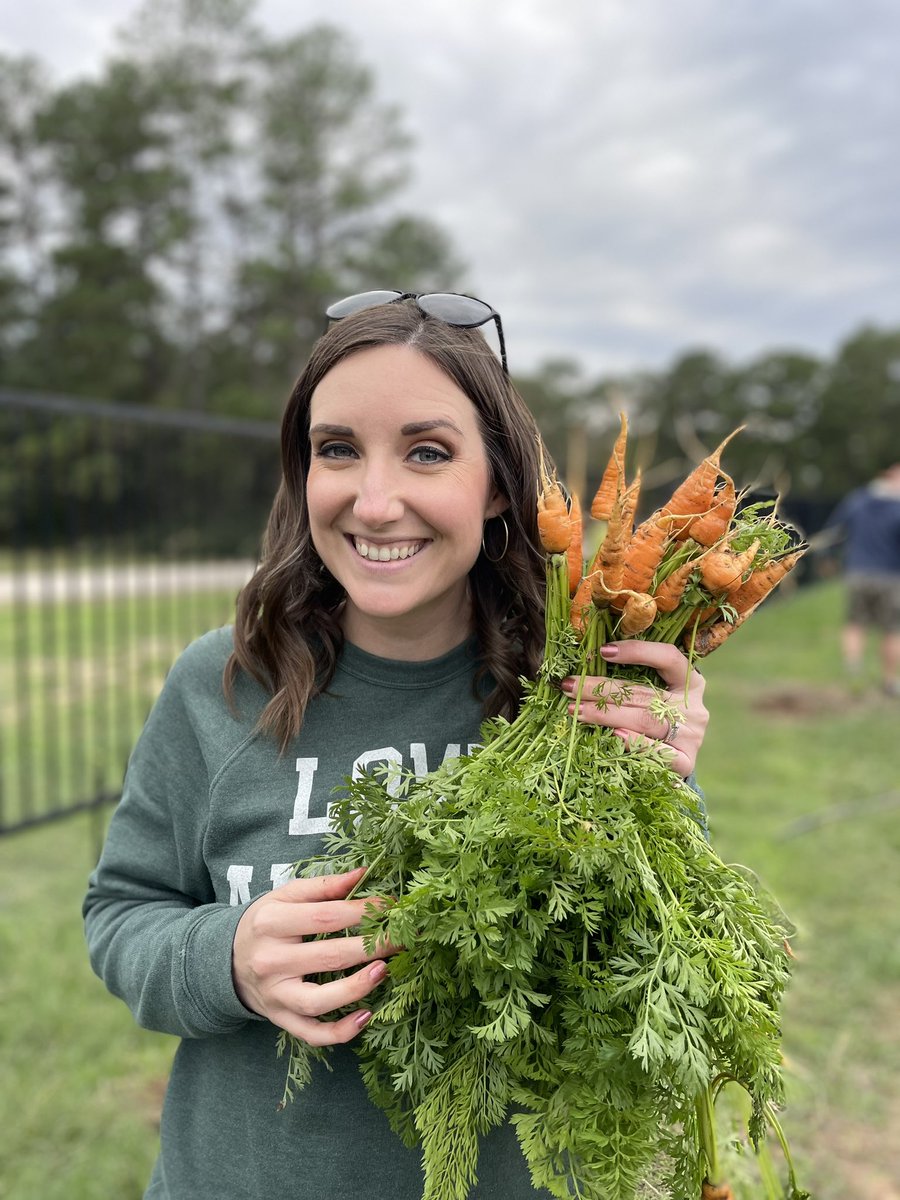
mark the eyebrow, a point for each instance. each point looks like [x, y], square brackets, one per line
[408, 430]
[332, 430]
[415, 427]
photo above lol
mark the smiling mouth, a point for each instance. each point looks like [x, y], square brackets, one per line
[386, 553]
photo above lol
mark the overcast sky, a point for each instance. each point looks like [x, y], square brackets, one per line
[625, 178]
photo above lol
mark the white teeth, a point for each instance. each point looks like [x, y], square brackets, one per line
[385, 553]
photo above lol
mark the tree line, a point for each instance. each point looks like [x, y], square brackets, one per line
[171, 230]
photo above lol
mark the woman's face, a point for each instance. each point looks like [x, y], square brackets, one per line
[398, 492]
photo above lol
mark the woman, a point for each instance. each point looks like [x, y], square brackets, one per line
[397, 603]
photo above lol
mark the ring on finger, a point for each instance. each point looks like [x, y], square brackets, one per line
[672, 731]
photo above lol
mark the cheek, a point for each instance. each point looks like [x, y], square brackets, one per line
[322, 498]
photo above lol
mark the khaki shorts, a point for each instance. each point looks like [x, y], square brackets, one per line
[874, 601]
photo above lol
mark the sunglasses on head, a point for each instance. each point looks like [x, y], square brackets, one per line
[450, 307]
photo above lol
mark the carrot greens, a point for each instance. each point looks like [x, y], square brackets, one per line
[577, 958]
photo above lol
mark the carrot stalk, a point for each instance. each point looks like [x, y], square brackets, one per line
[695, 495]
[712, 526]
[638, 614]
[581, 604]
[611, 481]
[644, 554]
[723, 568]
[762, 581]
[608, 566]
[554, 524]
[575, 549]
[668, 594]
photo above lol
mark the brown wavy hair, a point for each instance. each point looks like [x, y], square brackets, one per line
[287, 634]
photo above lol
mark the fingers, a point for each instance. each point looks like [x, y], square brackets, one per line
[667, 660]
[298, 920]
[630, 708]
[271, 959]
[320, 887]
[325, 1033]
[307, 999]
[680, 761]
[296, 1004]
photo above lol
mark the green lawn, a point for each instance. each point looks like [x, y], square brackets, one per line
[802, 785]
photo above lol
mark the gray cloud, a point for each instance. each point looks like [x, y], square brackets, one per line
[626, 180]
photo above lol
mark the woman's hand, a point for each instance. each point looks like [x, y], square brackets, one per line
[271, 961]
[626, 707]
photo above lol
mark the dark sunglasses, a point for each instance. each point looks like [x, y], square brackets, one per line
[450, 307]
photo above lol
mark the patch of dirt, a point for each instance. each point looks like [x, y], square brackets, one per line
[795, 700]
[800, 700]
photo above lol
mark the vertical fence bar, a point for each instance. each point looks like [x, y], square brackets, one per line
[23, 806]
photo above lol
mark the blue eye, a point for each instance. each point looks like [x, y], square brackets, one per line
[428, 455]
[335, 450]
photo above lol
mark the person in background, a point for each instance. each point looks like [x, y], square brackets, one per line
[868, 520]
[397, 604]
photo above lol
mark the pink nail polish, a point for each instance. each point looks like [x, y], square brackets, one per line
[609, 651]
[362, 1020]
[378, 971]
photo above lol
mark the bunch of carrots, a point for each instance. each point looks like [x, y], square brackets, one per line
[577, 959]
[691, 573]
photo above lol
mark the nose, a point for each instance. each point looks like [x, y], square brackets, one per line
[378, 501]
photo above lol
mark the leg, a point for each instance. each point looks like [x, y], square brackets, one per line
[890, 663]
[853, 645]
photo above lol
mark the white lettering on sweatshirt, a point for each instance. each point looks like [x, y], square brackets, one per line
[239, 875]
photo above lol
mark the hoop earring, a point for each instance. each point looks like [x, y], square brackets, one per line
[502, 554]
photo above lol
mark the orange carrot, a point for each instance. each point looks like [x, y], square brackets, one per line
[637, 615]
[712, 637]
[575, 549]
[554, 524]
[608, 566]
[643, 554]
[715, 1191]
[581, 603]
[722, 568]
[695, 495]
[613, 477]
[712, 526]
[669, 593]
[762, 581]
[630, 503]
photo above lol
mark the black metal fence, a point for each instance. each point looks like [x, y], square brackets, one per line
[124, 533]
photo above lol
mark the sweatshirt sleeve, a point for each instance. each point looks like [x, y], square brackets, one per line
[156, 935]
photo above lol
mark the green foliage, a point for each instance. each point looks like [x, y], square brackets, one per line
[575, 954]
[185, 216]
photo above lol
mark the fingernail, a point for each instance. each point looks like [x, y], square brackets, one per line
[609, 651]
[568, 685]
[571, 710]
[363, 1019]
[378, 971]
[622, 733]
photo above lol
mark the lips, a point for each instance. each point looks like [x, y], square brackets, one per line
[391, 552]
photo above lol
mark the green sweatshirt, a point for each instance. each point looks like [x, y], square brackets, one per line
[211, 817]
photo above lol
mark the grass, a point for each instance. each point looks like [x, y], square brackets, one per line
[799, 780]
